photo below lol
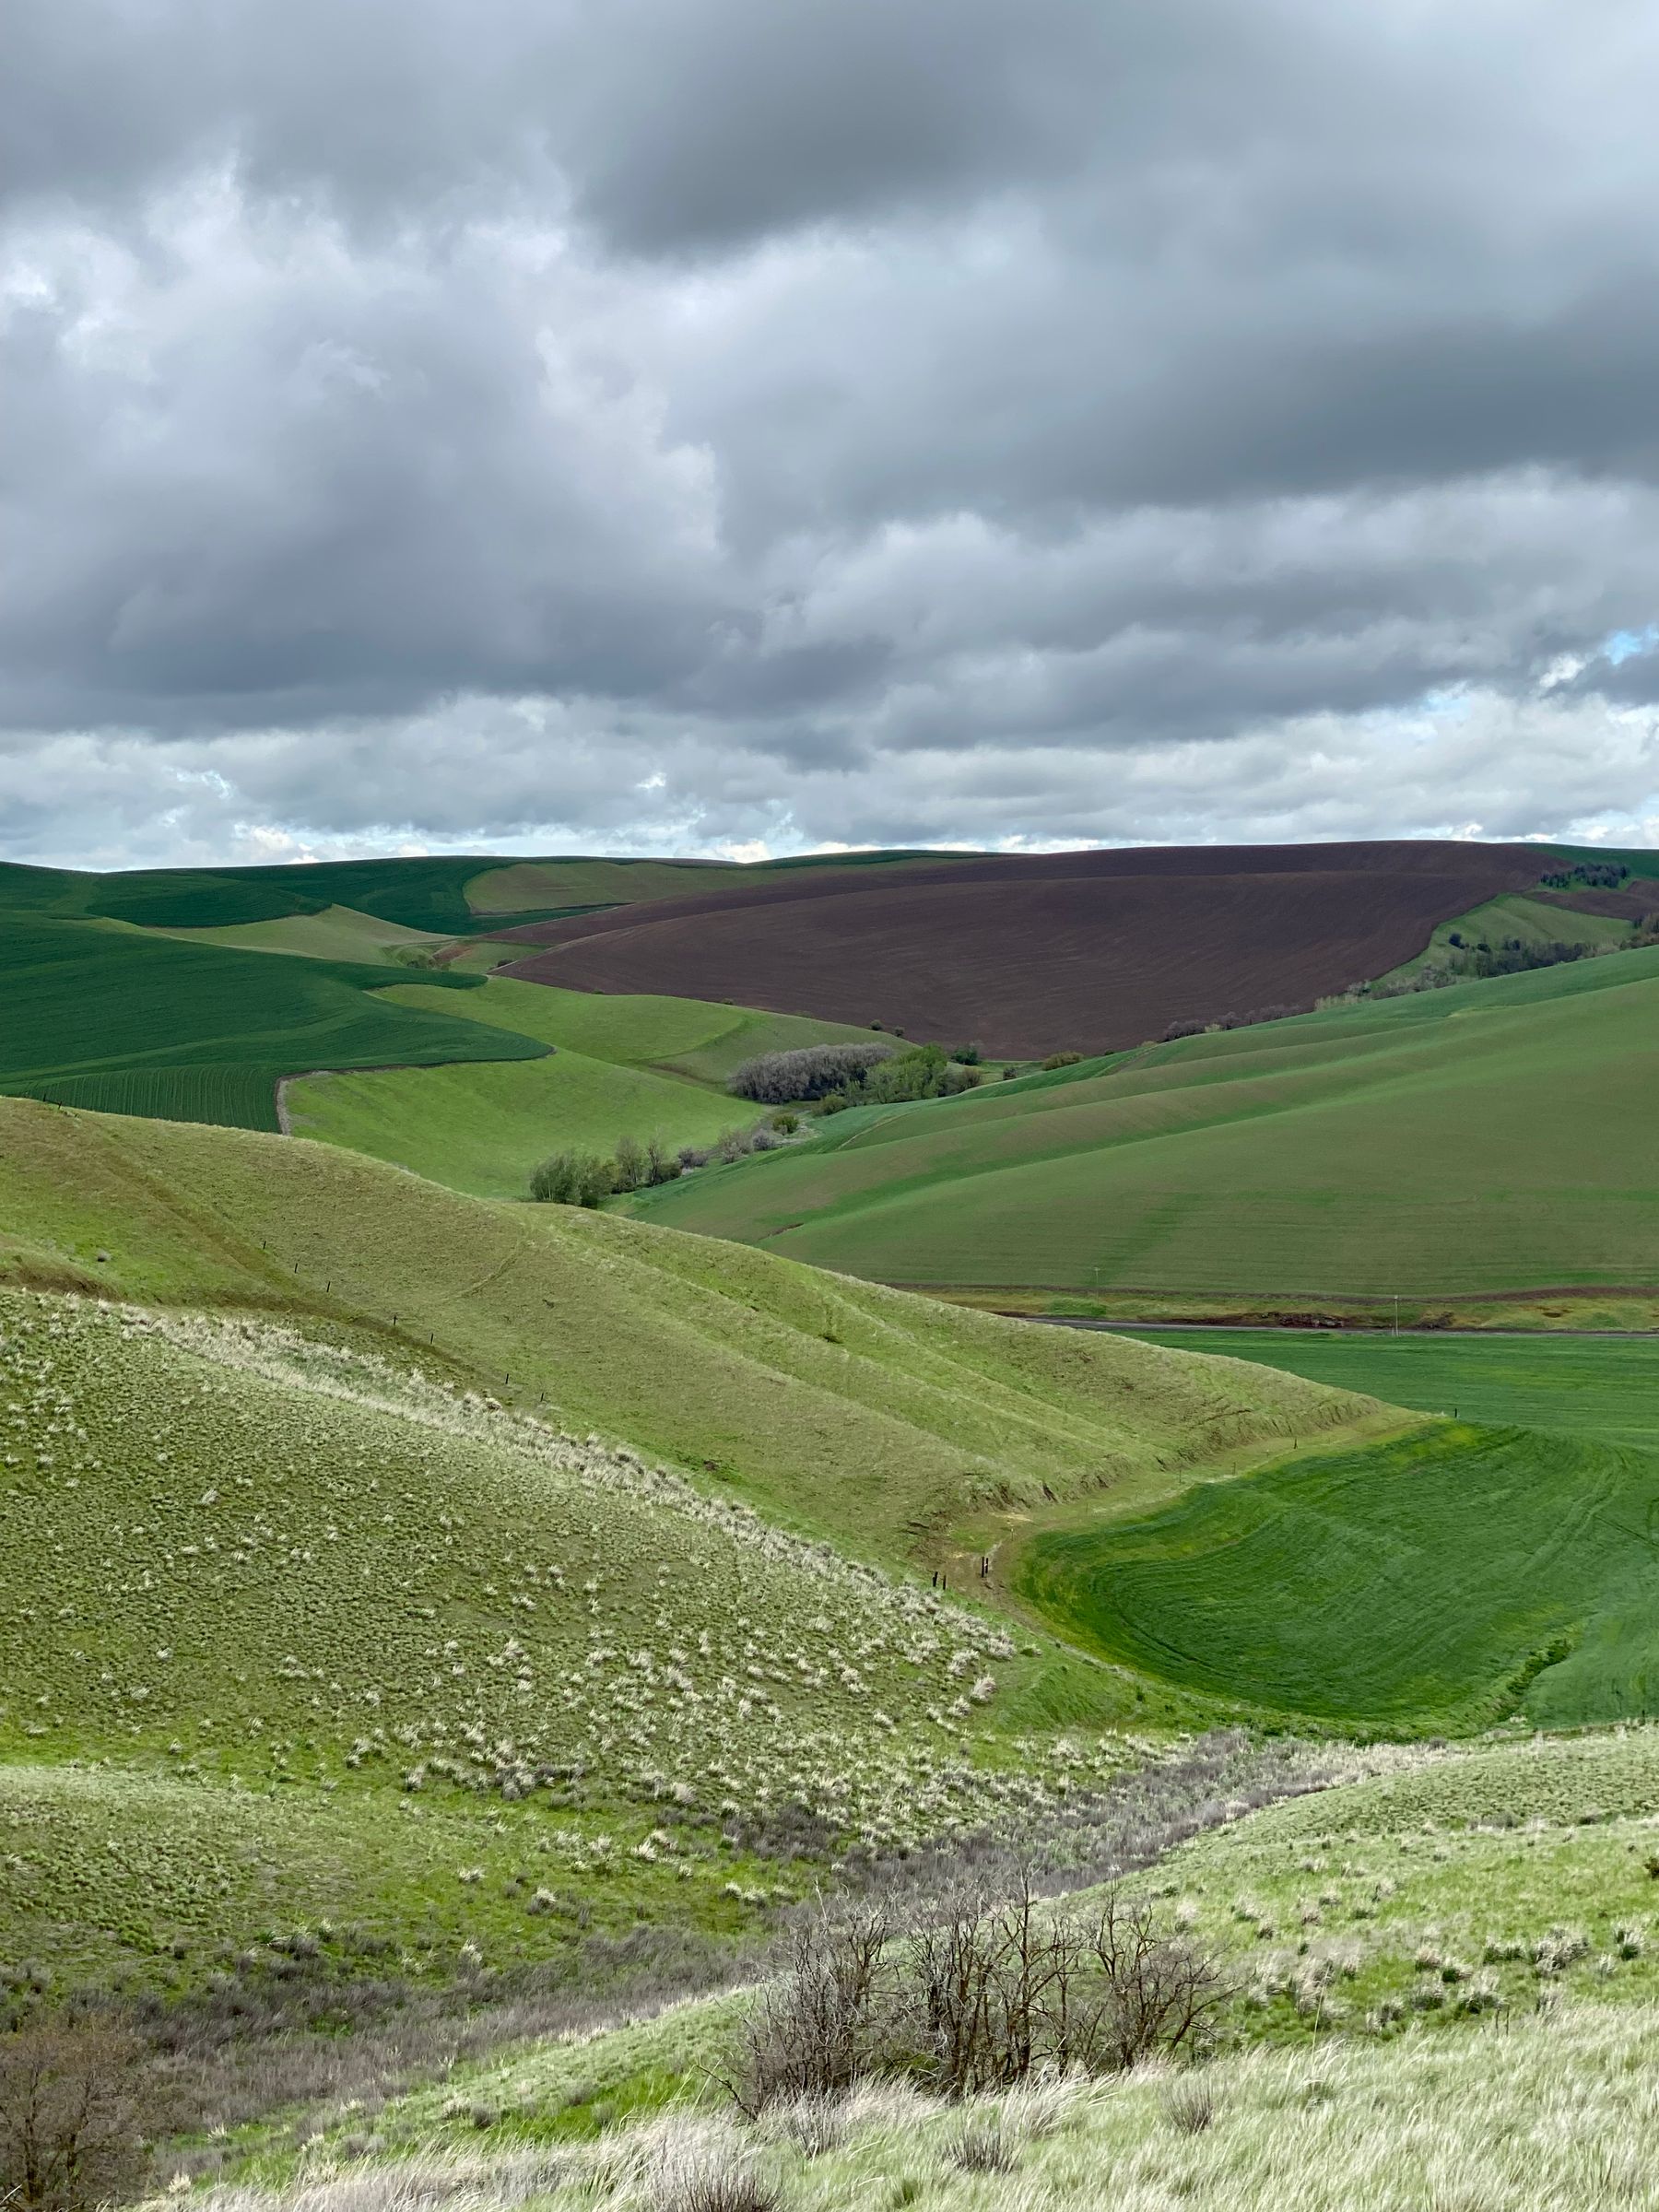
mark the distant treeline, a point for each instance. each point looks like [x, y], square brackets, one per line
[831, 1078]
[1590, 875]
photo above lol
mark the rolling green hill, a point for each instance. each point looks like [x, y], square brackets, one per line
[636, 1066]
[203, 1023]
[346, 1633]
[838, 1408]
[281, 1565]
[1488, 1137]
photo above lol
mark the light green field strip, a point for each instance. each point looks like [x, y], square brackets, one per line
[478, 1133]
[1608, 1388]
[484, 956]
[1513, 915]
[1493, 1137]
[690, 1037]
[339, 933]
[641, 1067]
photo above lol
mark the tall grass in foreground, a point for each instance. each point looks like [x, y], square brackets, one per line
[1558, 2111]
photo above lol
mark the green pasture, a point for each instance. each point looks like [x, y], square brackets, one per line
[637, 1067]
[1491, 1136]
[1443, 1580]
[1606, 1387]
[94, 1014]
[337, 933]
[483, 1125]
[1513, 915]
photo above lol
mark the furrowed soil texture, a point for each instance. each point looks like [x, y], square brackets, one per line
[1442, 1581]
[1493, 1137]
[1028, 955]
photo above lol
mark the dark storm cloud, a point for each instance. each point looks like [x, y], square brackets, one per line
[686, 420]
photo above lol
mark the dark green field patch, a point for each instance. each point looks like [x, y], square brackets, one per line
[1441, 1581]
[92, 1016]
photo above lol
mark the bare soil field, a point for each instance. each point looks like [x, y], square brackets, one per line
[1029, 954]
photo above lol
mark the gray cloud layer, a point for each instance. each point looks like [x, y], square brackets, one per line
[678, 422]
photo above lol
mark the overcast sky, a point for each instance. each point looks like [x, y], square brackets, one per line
[737, 425]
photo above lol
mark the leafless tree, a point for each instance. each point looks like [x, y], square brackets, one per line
[71, 2117]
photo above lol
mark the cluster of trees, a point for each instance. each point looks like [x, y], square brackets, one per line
[811, 1072]
[831, 1078]
[973, 1993]
[588, 1177]
[1514, 956]
[1591, 875]
[76, 2105]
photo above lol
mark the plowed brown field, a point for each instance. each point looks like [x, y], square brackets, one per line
[1033, 954]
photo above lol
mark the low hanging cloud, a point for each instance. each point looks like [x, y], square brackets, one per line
[691, 424]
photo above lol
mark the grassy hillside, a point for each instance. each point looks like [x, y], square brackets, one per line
[1513, 915]
[288, 1565]
[641, 1067]
[842, 1408]
[1491, 1137]
[1523, 1869]
[1377, 1932]
[345, 1636]
[1555, 2113]
[1438, 1582]
[337, 933]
